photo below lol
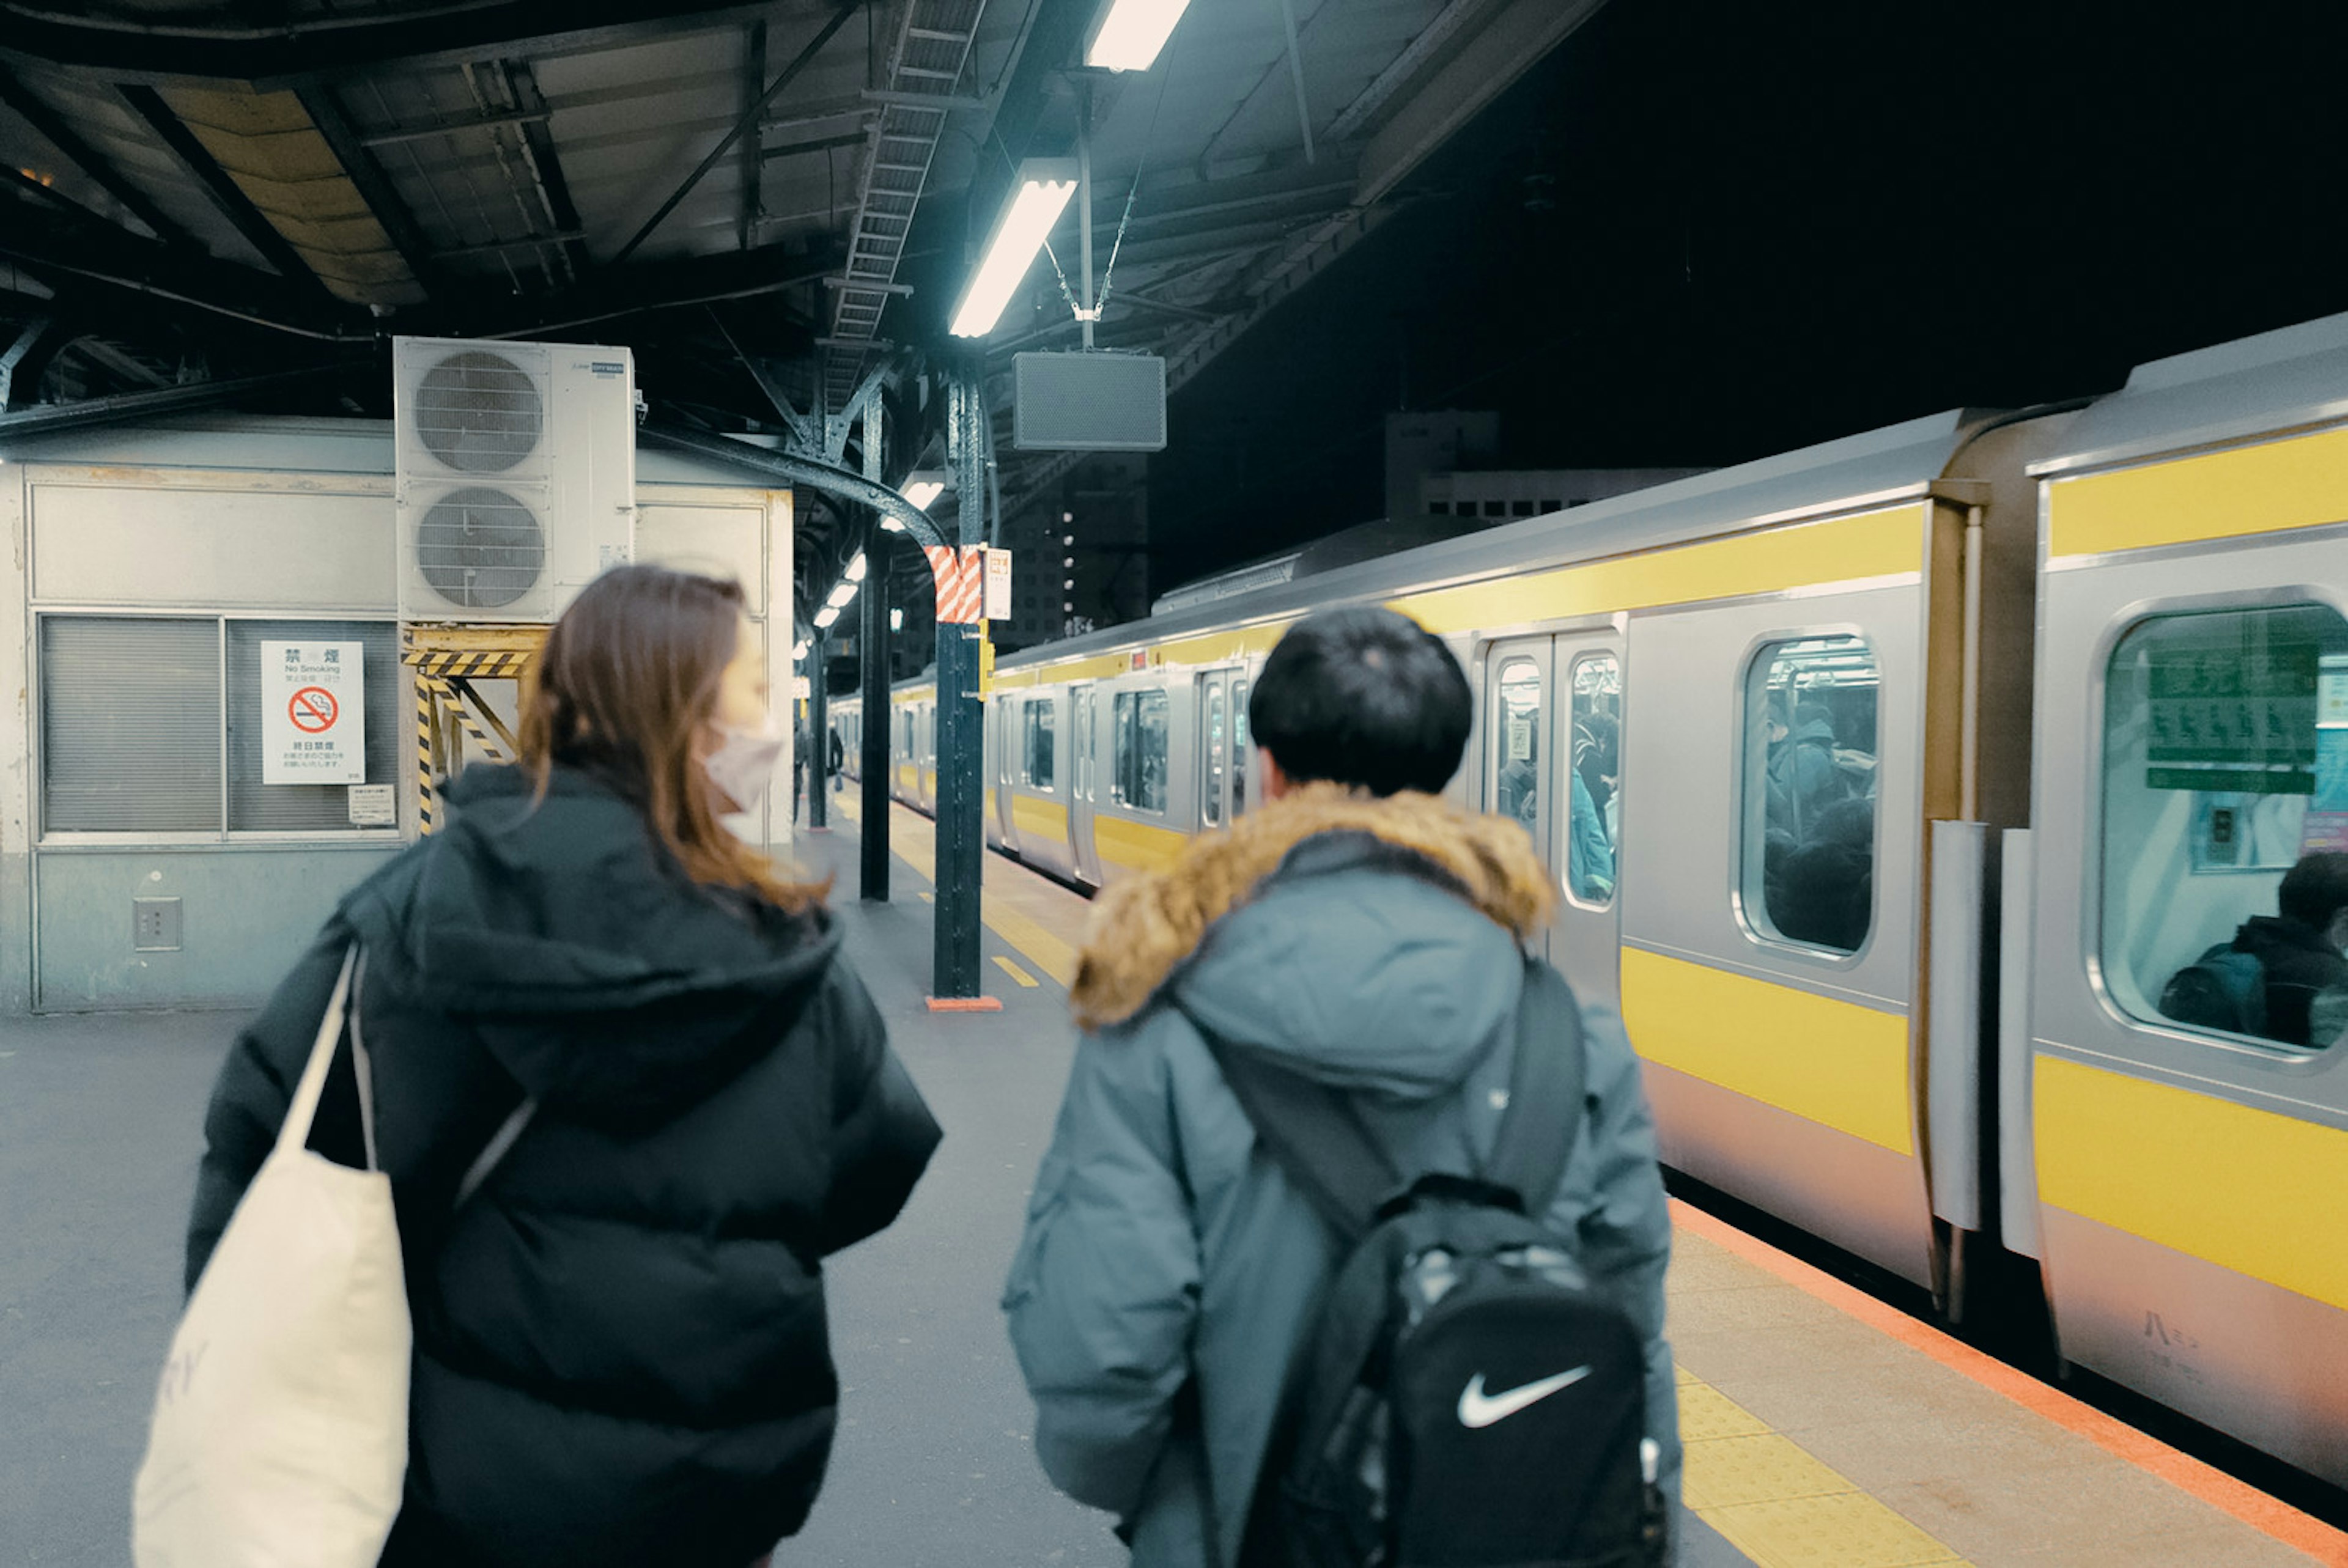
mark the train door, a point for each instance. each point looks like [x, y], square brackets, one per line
[1218, 762]
[1586, 772]
[1083, 771]
[1519, 732]
[1001, 739]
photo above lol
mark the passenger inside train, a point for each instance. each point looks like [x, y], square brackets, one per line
[2267, 981]
[2225, 786]
[1816, 790]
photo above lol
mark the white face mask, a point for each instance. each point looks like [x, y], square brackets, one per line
[744, 764]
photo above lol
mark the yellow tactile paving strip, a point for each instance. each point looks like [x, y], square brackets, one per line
[1776, 1502]
[1014, 900]
[1813, 1439]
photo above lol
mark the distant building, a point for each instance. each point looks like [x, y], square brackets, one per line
[1080, 559]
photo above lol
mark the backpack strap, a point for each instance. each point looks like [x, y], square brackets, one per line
[1311, 1132]
[1547, 1080]
[1318, 1139]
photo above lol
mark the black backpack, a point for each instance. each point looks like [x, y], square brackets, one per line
[1464, 1404]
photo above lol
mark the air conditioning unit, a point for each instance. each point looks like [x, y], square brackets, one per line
[516, 475]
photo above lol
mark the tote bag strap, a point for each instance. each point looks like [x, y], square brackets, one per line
[294, 1134]
[343, 1007]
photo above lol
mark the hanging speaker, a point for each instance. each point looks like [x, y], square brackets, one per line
[1088, 403]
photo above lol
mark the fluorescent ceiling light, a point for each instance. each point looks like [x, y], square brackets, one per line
[842, 597]
[1128, 34]
[1038, 196]
[856, 568]
[824, 617]
[921, 492]
[896, 620]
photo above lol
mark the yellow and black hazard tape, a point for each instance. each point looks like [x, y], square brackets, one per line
[447, 663]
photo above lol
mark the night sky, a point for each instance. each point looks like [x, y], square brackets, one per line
[1704, 231]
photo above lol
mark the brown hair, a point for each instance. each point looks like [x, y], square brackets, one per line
[629, 675]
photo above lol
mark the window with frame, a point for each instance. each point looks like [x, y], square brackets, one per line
[1137, 770]
[1210, 794]
[2225, 824]
[157, 724]
[1808, 819]
[1241, 748]
[1594, 712]
[1517, 740]
[1037, 718]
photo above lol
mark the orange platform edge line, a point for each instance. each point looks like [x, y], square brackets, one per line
[2269, 1515]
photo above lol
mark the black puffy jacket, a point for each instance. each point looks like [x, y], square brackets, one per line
[621, 1350]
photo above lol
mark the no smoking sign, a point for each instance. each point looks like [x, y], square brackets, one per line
[314, 712]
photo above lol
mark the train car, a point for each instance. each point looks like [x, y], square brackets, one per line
[1793, 734]
[2186, 1188]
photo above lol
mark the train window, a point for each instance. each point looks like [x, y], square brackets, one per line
[1036, 759]
[1239, 744]
[2225, 830]
[1438, 508]
[1596, 811]
[1210, 798]
[1496, 508]
[1808, 834]
[1137, 761]
[1516, 780]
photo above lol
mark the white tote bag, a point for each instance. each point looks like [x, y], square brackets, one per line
[280, 1433]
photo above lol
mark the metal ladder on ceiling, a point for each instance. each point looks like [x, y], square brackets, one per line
[933, 49]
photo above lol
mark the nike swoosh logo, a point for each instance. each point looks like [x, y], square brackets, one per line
[1477, 1409]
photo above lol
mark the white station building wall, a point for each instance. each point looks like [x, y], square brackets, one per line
[144, 863]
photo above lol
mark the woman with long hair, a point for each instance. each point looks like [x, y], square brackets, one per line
[621, 1348]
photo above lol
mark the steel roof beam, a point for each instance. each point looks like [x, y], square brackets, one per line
[1518, 34]
[374, 186]
[132, 405]
[110, 256]
[43, 117]
[291, 54]
[749, 118]
[226, 194]
[538, 147]
[453, 126]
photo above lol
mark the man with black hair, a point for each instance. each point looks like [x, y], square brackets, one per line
[1359, 934]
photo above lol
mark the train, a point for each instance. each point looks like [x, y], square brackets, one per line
[1888, 784]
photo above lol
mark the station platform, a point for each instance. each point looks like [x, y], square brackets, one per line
[1824, 1428]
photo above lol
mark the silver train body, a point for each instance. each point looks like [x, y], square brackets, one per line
[1917, 762]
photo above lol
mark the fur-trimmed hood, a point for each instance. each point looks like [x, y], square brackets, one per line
[1392, 926]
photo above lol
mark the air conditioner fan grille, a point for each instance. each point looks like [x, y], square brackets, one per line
[480, 549]
[477, 413]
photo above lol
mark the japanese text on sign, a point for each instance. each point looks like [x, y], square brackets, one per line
[313, 712]
[2233, 714]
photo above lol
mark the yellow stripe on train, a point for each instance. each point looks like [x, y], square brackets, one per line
[2296, 484]
[1136, 845]
[1835, 1063]
[2263, 1194]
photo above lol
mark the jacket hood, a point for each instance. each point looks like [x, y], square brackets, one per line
[1372, 942]
[596, 973]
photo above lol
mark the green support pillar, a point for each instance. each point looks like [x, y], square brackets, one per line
[961, 823]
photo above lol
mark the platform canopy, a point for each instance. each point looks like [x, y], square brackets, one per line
[769, 202]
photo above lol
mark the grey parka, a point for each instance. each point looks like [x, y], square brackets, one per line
[1168, 1270]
